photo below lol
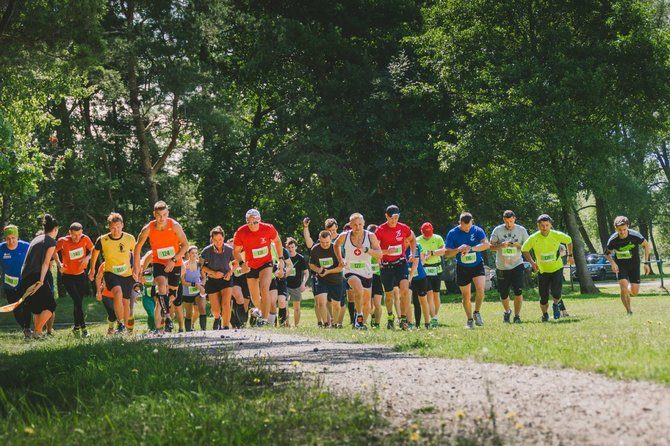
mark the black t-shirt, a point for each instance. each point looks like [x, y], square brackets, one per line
[35, 256]
[325, 258]
[625, 249]
[299, 266]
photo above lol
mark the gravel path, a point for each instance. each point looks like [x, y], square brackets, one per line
[532, 405]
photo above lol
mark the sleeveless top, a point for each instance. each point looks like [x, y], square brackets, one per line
[164, 244]
[190, 277]
[357, 260]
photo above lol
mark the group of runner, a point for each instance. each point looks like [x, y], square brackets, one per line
[351, 271]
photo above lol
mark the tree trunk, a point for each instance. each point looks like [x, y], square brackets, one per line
[586, 285]
[653, 243]
[603, 222]
[585, 235]
[4, 217]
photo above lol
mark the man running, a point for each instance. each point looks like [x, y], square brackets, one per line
[117, 248]
[546, 245]
[393, 238]
[326, 262]
[168, 245]
[255, 239]
[12, 255]
[624, 244]
[466, 241]
[506, 242]
[359, 247]
[215, 260]
[296, 279]
[75, 252]
[377, 288]
[430, 243]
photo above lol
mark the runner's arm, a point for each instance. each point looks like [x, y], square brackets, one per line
[412, 244]
[483, 245]
[338, 247]
[647, 266]
[305, 233]
[375, 250]
[141, 238]
[183, 241]
[94, 258]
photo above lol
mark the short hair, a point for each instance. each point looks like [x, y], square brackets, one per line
[621, 220]
[160, 205]
[330, 222]
[191, 248]
[217, 230]
[114, 217]
[372, 227]
[465, 217]
[545, 217]
[509, 214]
[356, 215]
[324, 234]
[76, 226]
[290, 240]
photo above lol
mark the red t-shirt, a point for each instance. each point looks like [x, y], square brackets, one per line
[393, 238]
[73, 254]
[256, 245]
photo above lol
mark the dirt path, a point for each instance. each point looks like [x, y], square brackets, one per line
[532, 405]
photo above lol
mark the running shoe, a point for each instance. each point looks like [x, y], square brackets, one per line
[389, 322]
[517, 319]
[51, 333]
[410, 326]
[363, 327]
[434, 323]
[110, 331]
[557, 310]
[403, 324]
[427, 326]
[630, 313]
[27, 334]
[168, 325]
[375, 325]
[470, 324]
[506, 316]
[338, 325]
[85, 333]
[76, 331]
[545, 317]
[217, 324]
[120, 329]
[478, 319]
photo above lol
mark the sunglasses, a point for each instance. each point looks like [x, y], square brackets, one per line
[253, 222]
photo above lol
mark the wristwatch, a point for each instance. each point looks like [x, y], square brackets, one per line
[174, 259]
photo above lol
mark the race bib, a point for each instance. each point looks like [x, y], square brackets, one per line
[292, 273]
[509, 252]
[548, 257]
[624, 255]
[237, 272]
[430, 270]
[395, 250]
[375, 268]
[11, 281]
[357, 265]
[166, 253]
[76, 254]
[259, 253]
[193, 290]
[326, 262]
[470, 257]
[119, 269]
[148, 281]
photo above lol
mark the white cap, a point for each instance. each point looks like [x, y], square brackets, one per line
[252, 213]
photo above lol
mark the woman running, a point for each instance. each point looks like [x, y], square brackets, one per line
[215, 261]
[192, 289]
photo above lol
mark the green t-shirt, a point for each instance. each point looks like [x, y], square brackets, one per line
[431, 244]
[546, 249]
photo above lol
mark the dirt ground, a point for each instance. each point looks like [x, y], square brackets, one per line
[530, 405]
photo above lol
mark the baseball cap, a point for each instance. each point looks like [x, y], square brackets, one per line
[252, 213]
[427, 229]
[392, 210]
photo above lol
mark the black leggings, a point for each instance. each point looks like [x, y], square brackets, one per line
[109, 306]
[550, 283]
[22, 312]
[77, 286]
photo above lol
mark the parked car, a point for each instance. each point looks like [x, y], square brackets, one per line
[598, 266]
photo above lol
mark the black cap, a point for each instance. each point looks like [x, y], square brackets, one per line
[392, 210]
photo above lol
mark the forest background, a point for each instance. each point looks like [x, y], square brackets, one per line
[323, 108]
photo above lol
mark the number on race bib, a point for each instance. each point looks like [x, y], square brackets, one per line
[470, 257]
[509, 252]
[326, 262]
[259, 253]
[11, 281]
[547, 257]
[624, 255]
[119, 269]
[431, 270]
[76, 254]
[165, 253]
[395, 250]
[357, 265]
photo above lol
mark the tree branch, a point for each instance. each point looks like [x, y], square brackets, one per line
[176, 128]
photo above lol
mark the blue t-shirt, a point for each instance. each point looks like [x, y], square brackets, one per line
[420, 272]
[456, 237]
[12, 262]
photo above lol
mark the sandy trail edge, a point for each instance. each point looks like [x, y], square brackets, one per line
[555, 406]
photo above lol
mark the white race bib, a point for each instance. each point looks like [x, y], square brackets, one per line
[77, 254]
[166, 253]
[470, 257]
[395, 250]
[259, 253]
[624, 255]
[119, 269]
[548, 257]
[326, 262]
[11, 281]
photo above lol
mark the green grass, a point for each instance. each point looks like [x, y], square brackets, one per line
[103, 391]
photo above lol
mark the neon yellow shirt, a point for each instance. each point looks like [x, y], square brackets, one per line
[546, 249]
[432, 244]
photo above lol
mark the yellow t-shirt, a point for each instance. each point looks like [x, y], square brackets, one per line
[117, 253]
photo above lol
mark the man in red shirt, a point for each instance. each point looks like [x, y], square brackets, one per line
[255, 238]
[393, 237]
[75, 253]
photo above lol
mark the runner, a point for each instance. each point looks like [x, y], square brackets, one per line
[12, 255]
[393, 237]
[419, 286]
[331, 226]
[36, 270]
[432, 265]
[215, 261]
[104, 295]
[545, 244]
[506, 242]
[192, 289]
[75, 253]
[241, 295]
[279, 288]
[255, 239]
[148, 291]
[168, 246]
[624, 244]
[296, 279]
[377, 289]
[117, 249]
[359, 247]
[326, 263]
[466, 241]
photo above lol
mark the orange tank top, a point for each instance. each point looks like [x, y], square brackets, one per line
[164, 244]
